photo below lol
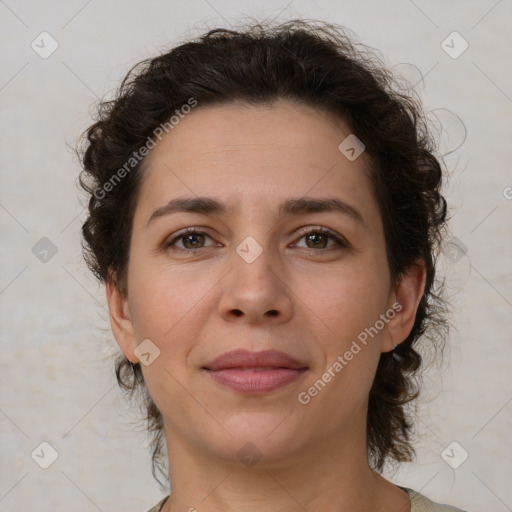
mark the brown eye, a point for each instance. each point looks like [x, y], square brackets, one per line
[188, 240]
[316, 240]
[319, 238]
[193, 240]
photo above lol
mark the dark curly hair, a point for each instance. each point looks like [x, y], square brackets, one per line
[312, 63]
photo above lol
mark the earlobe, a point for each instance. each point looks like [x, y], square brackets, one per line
[120, 318]
[407, 294]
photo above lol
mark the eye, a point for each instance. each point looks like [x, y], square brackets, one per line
[318, 238]
[191, 239]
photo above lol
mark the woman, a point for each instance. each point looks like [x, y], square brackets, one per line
[265, 212]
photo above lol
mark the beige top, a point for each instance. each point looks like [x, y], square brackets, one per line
[419, 503]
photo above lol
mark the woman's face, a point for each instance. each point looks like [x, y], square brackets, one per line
[264, 272]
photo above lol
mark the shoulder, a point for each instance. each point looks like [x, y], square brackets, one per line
[159, 505]
[420, 503]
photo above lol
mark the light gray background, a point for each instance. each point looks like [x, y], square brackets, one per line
[56, 383]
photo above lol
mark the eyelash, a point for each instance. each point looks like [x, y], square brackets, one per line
[341, 242]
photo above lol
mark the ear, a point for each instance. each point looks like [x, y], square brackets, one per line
[404, 300]
[121, 318]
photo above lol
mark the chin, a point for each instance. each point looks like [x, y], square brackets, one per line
[258, 438]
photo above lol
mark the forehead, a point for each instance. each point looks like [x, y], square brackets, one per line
[235, 128]
[254, 155]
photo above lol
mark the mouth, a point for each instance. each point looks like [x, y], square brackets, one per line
[255, 372]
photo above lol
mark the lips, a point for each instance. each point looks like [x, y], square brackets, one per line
[248, 359]
[255, 372]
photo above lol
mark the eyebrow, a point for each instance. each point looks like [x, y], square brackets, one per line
[293, 206]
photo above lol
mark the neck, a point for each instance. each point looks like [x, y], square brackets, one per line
[326, 476]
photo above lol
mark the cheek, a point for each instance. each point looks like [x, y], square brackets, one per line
[165, 297]
[167, 308]
[346, 300]
[343, 310]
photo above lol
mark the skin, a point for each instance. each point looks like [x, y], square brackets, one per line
[310, 301]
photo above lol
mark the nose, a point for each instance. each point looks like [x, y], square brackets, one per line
[256, 292]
